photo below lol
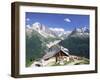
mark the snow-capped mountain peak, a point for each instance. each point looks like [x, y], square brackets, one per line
[41, 29]
[36, 26]
[80, 32]
[54, 32]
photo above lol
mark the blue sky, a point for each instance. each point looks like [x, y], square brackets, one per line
[65, 21]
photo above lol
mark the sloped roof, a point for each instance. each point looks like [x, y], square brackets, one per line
[54, 50]
[65, 50]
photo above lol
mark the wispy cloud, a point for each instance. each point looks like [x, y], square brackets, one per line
[67, 20]
[27, 19]
[56, 29]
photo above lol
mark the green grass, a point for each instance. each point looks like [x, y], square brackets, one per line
[67, 62]
[56, 64]
[80, 62]
[29, 63]
[53, 63]
[85, 61]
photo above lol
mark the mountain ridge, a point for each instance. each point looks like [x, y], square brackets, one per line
[46, 31]
[39, 38]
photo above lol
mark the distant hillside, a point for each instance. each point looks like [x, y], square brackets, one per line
[36, 45]
[77, 43]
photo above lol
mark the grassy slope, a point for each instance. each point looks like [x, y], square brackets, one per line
[75, 62]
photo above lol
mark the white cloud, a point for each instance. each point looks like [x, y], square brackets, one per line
[27, 19]
[57, 29]
[68, 31]
[67, 20]
[28, 26]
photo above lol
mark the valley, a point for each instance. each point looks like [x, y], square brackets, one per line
[39, 38]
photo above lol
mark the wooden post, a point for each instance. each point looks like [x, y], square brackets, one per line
[56, 58]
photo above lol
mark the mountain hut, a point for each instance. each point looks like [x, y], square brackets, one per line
[60, 53]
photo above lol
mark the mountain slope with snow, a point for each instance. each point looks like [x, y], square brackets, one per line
[47, 31]
[42, 29]
[80, 32]
[77, 43]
